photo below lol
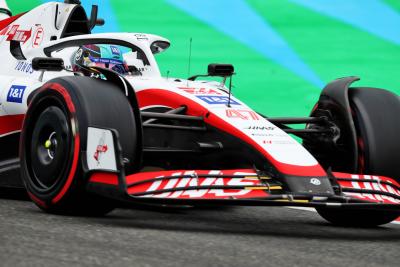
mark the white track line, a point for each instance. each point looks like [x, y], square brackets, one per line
[303, 208]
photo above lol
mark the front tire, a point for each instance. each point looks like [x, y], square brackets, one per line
[54, 138]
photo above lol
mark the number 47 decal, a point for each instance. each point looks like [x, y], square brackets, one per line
[242, 114]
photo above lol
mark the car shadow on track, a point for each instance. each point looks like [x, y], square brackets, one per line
[278, 222]
[13, 194]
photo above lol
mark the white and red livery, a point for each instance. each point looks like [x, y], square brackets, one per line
[77, 135]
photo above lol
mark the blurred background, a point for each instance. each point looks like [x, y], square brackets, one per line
[284, 51]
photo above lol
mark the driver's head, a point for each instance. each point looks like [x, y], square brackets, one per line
[104, 56]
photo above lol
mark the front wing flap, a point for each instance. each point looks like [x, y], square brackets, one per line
[234, 187]
[240, 187]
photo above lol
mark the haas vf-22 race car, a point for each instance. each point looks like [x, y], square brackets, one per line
[87, 123]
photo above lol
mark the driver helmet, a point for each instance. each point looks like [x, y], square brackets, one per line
[104, 56]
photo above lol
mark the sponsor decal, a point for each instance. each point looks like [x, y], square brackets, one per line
[16, 93]
[38, 37]
[260, 128]
[278, 142]
[315, 181]
[140, 36]
[24, 67]
[106, 60]
[14, 34]
[200, 91]
[79, 54]
[269, 135]
[196, 181]
[115, 50]
[217, 100]
[242, 114]
[100, 150]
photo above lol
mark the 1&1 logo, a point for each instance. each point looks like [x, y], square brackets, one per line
[217, 100]
[16, 93]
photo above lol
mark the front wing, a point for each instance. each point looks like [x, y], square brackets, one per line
[241, 187]
[232, 187]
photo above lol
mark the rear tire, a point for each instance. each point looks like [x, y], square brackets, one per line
[376, 118]
[54, 137]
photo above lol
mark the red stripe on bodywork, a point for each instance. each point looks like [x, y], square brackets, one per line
[315, 170]
[11, 123]
[104, 178]
[5, 22]
[151, 97]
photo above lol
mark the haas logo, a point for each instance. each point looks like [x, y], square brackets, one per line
[100, 149]
[315, 181]
[260, 128]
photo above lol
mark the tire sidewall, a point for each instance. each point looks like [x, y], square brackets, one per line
[63, 187]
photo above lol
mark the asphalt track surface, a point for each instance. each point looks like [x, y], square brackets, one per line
[240, 236]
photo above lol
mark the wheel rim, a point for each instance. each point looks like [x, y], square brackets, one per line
[49, 148]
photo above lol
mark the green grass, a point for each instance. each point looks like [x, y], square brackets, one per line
[261, 83]
[19, 6]
[394, 3]
[332, 48]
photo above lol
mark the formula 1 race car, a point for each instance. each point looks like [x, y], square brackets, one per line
[87, 123]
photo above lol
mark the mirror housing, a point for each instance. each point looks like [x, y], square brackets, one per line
[217, 70]
[159, 46]
[48, 64]
[94, 20]
[222, 70]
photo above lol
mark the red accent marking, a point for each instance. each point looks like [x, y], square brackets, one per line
[38, 37]
[38, 201]
[100, 149]
[200, 91]
[149, 97]
[104, 178]
[242, 114]
[361, 157]
[5, 22]
[59, 88]
[383, 178]
[364, 182]
[11, 123]
[202, 193]
[19, 35]
[314, 108]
